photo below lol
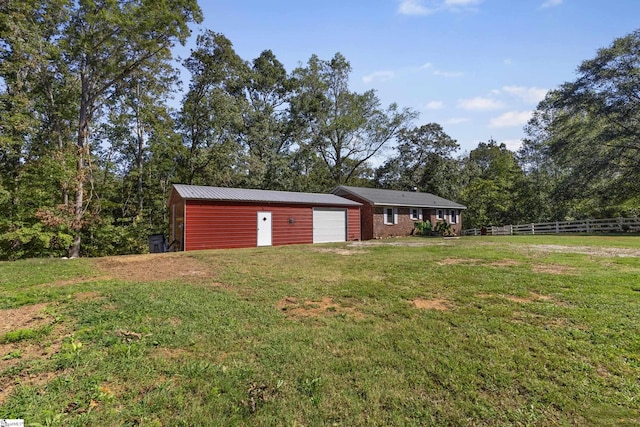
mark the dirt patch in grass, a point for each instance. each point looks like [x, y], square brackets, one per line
[553, 269]
[87, 296]
[339, 251]
[504, 263]
[587, 250]
[473, 261]
[169, 353]
[174, 321]
[524, 300]
[25, 317]
[531, 298]
[432, 304]
[29, 380]
[294, 308]
[112, 389]
[483, 296]
[25, 352]
[456, 261]
[153, 267]
[76, 281]
[12, 353]
[401, 242]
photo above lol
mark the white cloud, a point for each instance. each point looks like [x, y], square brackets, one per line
[378, 76]
[461, 2]
[510, 119]
[479, 103]
[531, 95]
[438, 72]
[434, 105]
[447, 73]
[512, 144]
[455, 121]
[417, 7]
[413, 7]
[551, 3]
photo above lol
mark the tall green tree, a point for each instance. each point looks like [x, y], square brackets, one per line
[61, 56]
[36, 125]
[105, 43]
[211, 113]
[345, 128]
[269, 132]
[424, 160]
[547, 201]
[495, 189]
[593, 131]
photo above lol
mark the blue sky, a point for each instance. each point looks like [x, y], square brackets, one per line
[477, 67]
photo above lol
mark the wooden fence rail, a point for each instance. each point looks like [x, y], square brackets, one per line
[609, 225]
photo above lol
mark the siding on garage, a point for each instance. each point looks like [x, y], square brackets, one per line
[211, 225]
[353, 223]
[176, 222]
[217, 217]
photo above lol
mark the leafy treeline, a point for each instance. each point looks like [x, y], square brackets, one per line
[89, 146]
[83, 93]
[583, 146]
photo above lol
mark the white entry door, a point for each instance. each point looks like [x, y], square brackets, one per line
[329, 225]
[264, 228]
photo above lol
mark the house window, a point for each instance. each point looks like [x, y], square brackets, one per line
[390, 216]
[440, 214]
[454, 216]
[415, 213]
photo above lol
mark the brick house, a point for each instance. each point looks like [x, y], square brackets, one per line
[390, 213]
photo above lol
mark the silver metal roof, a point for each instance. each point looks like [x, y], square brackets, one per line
[398, 198]
[199, 192]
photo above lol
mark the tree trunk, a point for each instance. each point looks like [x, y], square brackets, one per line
[140, 153]
[83, 151]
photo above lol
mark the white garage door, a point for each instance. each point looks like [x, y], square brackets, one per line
[329, 225]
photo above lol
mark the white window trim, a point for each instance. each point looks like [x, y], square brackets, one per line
[395, 215]
[419, 217]
[440, 214]
[453, 214]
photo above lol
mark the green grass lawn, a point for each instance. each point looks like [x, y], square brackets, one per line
[523, 330]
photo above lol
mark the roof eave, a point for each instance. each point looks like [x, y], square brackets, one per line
[419, 205]
[206, 199]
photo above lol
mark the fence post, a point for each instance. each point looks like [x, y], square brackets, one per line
[533, 228]
[557, 228]
[588, 228]
[511, 229]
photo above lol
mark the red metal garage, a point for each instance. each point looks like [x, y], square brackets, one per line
[216, 218]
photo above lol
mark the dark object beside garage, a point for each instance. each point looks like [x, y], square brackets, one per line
[157, 243]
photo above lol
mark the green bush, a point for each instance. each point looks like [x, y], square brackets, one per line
[443, 228]
[422, 228]
[29, 241]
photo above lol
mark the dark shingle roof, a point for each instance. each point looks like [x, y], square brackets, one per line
[199, 192]
[397, 198]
